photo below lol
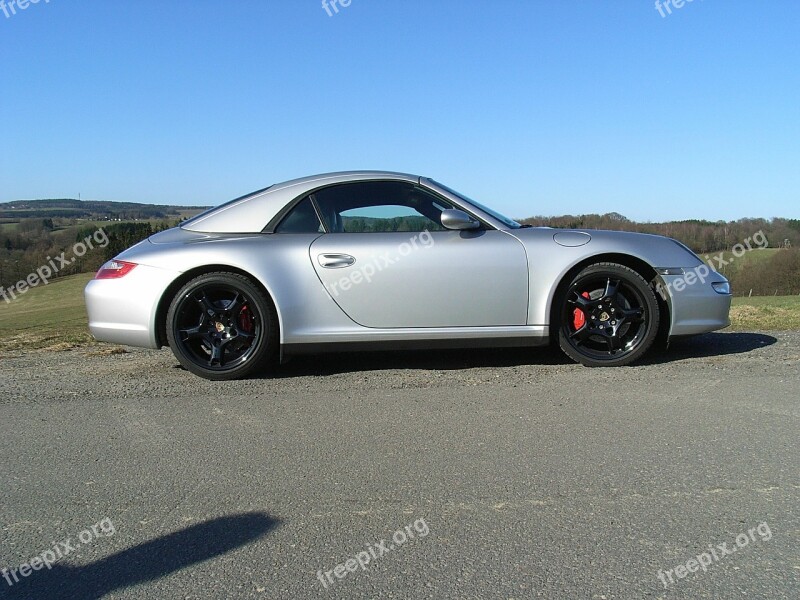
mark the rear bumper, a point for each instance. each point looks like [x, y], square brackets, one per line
[123, 311]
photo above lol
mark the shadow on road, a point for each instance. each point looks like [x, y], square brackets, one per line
[439, 360]
[146, 562]
[711, 344]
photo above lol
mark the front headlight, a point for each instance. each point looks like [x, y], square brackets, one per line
[722, 287]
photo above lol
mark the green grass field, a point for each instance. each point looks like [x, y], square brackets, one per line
[750, 260]
[766, 313]
[53, 316]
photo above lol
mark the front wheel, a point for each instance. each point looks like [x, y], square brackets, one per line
[221, 326]
[607, 317]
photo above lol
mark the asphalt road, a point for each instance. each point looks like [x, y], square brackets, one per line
[507, 475]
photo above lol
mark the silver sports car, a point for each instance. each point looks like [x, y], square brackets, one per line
[386, 260]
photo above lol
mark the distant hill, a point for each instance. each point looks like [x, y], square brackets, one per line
[70, 208]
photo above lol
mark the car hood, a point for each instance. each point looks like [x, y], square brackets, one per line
[657, 250]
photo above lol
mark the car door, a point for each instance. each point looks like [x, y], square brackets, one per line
[386, 260]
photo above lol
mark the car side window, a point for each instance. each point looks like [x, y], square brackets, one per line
[301, 219]
[379, 207]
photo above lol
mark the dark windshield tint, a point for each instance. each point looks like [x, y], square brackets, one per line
[301, 219]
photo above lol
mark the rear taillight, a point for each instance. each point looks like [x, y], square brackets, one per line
[114, 269]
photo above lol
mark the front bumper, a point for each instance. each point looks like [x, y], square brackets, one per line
[695, 305]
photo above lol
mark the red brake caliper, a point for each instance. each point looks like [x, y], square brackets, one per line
[245, 320]
[578, 316]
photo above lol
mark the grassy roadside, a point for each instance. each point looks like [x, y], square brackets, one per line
[770, 313]
[53, 316]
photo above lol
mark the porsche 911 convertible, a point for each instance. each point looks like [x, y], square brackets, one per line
[380, 260]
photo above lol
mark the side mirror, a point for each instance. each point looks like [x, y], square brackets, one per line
[452, 218]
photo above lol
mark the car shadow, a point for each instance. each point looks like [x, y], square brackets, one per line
[145, 562]
[706, 345]
[710, 344]
[435, 360]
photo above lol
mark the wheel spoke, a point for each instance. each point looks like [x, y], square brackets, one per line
[633, 315]
[578, 300]
[205, 303]
[581, 335]
[216, 355]
[235, 305]
[218, 352]
[193, 333]
[612, 287]
[244, 336]
[614, 343]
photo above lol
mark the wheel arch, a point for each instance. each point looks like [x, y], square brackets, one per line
[642, 267]
[179, 282]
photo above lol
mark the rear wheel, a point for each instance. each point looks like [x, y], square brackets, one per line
[221, 326]
[608, 316]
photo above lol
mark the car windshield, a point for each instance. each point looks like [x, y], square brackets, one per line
[510, 223]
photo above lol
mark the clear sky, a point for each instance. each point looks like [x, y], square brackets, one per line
[532, 107]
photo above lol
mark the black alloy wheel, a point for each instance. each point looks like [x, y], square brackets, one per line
[221, 326]
[609, 316]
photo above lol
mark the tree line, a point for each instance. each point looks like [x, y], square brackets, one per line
[779, 275]
[36, 242]
[700, 236]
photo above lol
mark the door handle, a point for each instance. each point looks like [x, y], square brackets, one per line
[335, 261]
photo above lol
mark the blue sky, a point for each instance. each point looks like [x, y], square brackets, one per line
[530, 107]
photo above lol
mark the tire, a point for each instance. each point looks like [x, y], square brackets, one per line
[222, 326]
[608, 316]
